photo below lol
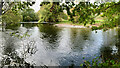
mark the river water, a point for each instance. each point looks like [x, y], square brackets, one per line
[57, 46]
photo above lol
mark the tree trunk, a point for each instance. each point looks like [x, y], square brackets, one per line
[1, 4]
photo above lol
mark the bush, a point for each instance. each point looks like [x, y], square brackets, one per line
[97, 63]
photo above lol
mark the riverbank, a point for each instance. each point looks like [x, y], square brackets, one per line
[76, 25]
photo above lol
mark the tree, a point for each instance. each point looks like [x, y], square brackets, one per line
[111, 15]
[11, 19]
[15, 5]
[50, 11]
[83, 12]
[29, 15]
[11, 10]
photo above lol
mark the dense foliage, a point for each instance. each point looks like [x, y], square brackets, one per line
[97, 63]
[83, 12]
[11, 12]
[15, 6]
[10, 18]
[50, 12]
[29, 15]
[80, 13]
[111, 16]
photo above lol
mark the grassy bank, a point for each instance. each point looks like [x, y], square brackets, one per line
[97, 23]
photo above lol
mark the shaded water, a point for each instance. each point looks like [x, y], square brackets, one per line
[53, 46]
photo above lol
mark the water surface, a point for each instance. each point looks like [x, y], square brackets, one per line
[53, 46]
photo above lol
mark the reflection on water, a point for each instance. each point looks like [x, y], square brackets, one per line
[78, 38]
[50, 35]
[111, 48]
[53, 46]
[9, 55]
[13, 26]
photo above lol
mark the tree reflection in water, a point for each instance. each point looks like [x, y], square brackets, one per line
[50, 34]
[15, 55]
[118, 44]
[12, 56]
[112, 52]
[78, 38]
[28, 25]
[13, 26]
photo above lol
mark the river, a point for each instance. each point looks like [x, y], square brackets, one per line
[57, 46]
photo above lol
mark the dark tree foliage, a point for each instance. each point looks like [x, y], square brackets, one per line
[15, 6]
[11, 13]
[29, 15]
[44, 3]
[50, 12]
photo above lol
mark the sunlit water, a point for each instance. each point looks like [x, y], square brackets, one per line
[53, 46]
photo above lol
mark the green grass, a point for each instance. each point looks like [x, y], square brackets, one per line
[64, 22]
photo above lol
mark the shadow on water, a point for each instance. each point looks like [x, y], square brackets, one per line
[13, 26]
[50, 34]
[12, 56]
[111, 51]
[29, 25]
[118, 42]
[78, 38]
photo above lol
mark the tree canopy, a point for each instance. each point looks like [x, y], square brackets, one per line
[50, 12]
[83, 12]
[11, 11]
[29, 15]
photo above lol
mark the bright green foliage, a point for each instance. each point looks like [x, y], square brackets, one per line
[29, 15]
[83, 12]
[111, 15]
[11, 12]
[97, 64]
[50, 12]
[10, 18]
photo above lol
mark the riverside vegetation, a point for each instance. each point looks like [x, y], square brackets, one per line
[84, 13]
